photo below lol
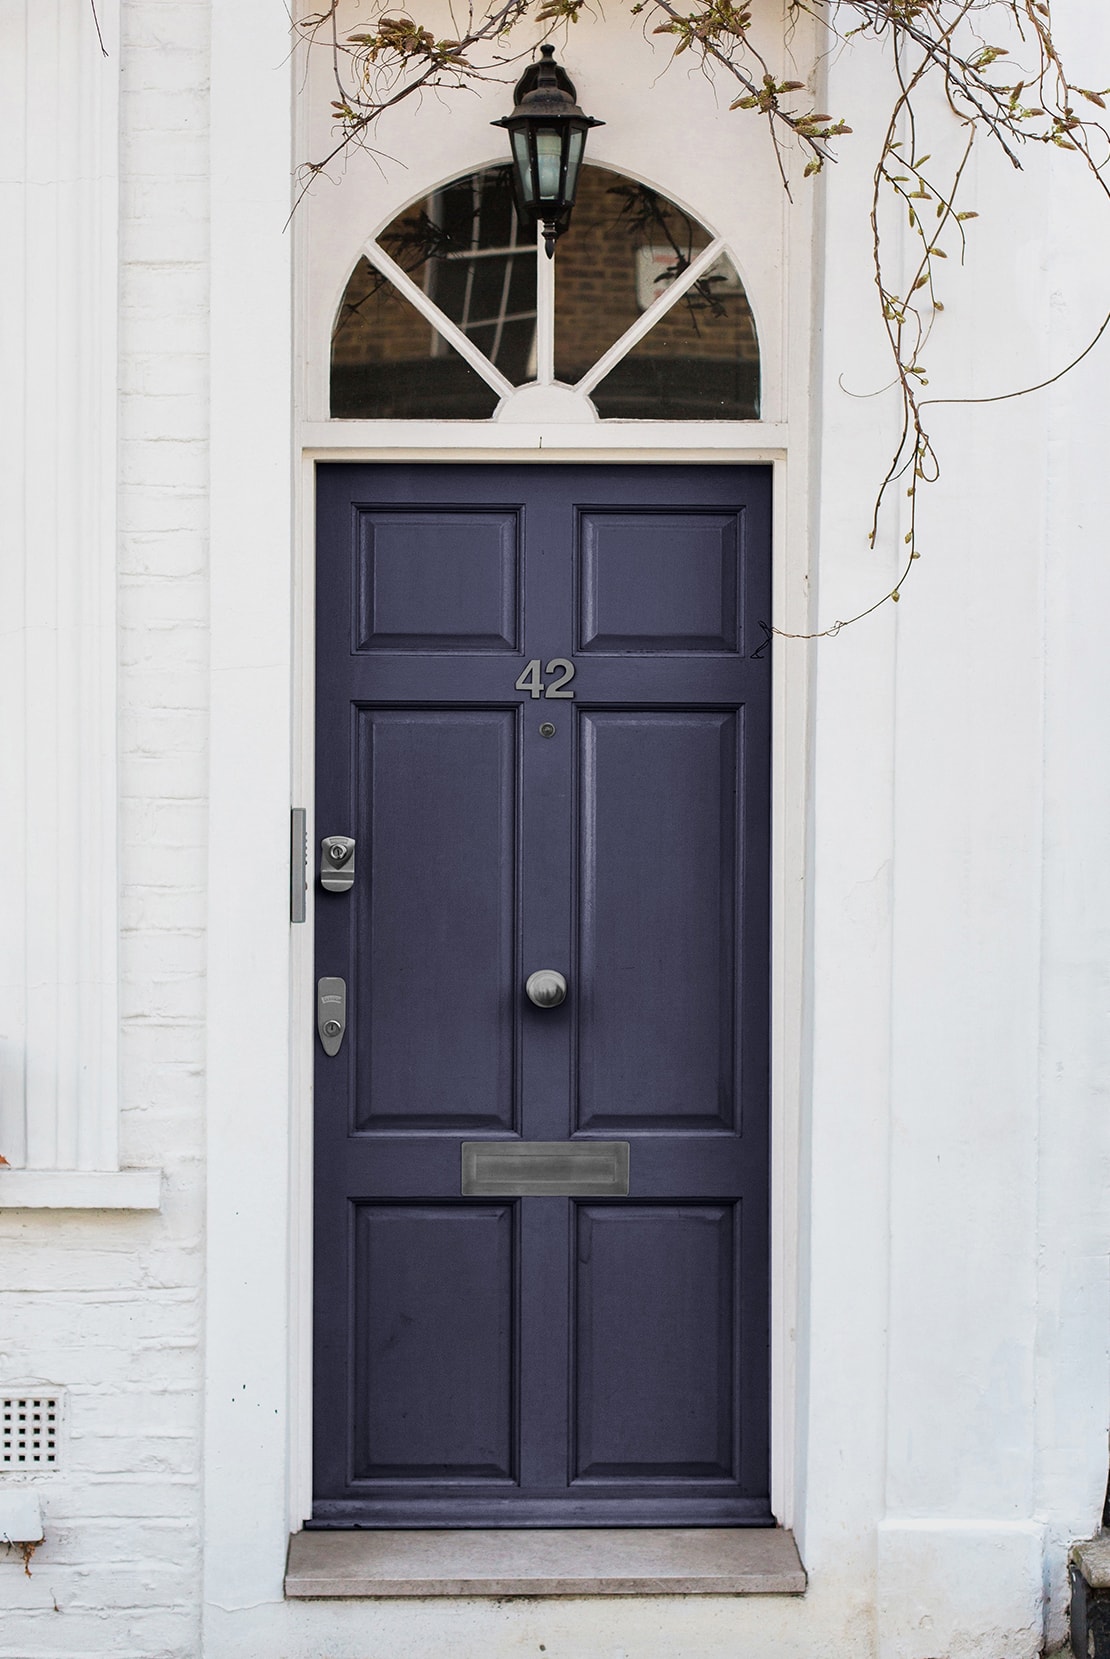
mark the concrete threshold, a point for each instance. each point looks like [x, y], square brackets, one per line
[633, 1561]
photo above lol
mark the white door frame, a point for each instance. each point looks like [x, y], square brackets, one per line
[720, 443]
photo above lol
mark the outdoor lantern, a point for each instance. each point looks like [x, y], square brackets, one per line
[547, 131]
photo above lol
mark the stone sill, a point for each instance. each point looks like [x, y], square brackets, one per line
[80, 1189]
[691, 1561]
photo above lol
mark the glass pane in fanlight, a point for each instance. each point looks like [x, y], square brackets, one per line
[699, 362]
[549, 161]
[464, 247]
[601, 281]
[388, 363]
[626, 244]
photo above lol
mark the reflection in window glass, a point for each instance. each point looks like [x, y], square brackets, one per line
[699, 362]
[463, 246]
[388, 363]
[625, 246]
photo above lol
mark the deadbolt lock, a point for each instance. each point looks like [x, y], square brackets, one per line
[331, 1014]
[337, 863]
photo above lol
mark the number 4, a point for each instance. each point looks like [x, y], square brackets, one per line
[530, 679]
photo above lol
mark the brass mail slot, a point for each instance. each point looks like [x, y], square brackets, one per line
[553, 1169]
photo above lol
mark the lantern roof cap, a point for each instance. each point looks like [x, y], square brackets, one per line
[546, 90]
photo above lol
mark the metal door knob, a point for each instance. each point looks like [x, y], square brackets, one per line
[546, 988]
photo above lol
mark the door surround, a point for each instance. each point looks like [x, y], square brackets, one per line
[719, 443]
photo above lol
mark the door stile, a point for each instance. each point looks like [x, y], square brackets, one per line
[545, 1231]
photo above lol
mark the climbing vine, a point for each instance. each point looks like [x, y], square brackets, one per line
[996, 63]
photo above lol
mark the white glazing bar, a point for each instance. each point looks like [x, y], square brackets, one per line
[438, 319]
[658, 308]
[545, 314]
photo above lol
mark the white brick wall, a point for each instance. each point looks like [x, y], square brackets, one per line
[107, 1307]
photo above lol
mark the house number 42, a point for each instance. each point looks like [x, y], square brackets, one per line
[530, 679]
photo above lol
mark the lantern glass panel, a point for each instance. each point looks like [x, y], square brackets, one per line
[575, 145]
[549, 162]
[523, 163]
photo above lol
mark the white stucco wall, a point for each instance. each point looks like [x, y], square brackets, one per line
[942, 1392]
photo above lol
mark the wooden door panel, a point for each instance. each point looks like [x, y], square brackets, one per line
[436, 907]
[655, 1330]
[444, 580]
[658, 581]
[657, 931]
[434, 1342]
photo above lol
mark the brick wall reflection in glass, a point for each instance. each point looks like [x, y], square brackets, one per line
[442, 315]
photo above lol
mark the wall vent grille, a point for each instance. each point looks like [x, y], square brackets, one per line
[29, 1431]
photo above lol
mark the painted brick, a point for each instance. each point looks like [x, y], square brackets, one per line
[175, 646]
[167, 689]
[163, 290]
[163, 461]
[178, 27]
[162, 374]
[152, 69]
[146, 328]
[154, 154]
[146, 509]
[107, 1306]
[169, 824]
[146, 110]
[152, 414]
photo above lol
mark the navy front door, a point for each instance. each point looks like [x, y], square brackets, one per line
[541, 719]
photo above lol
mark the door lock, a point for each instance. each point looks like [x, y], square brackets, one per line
[337, 863]
[331, 1014]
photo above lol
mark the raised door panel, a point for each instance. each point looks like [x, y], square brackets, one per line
[658, 581]
[437, 580]
[657, 928]
[433, 1307]
[654, 1343]
[436, 900]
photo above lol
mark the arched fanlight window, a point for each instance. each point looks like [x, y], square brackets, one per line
[451, 310]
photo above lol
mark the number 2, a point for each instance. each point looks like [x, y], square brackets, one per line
[555, 689]
[530, 681]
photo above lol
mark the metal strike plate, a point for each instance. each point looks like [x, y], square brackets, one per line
[331, 1014]
[298, 863]
[337, 863]
[552, 1169]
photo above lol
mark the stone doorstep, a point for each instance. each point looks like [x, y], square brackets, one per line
[632, 1561]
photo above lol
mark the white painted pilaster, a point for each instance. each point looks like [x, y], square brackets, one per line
[246, 1519]
[58, 305]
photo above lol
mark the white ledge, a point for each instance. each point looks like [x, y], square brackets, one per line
[691, 1561]
[80, 1189]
